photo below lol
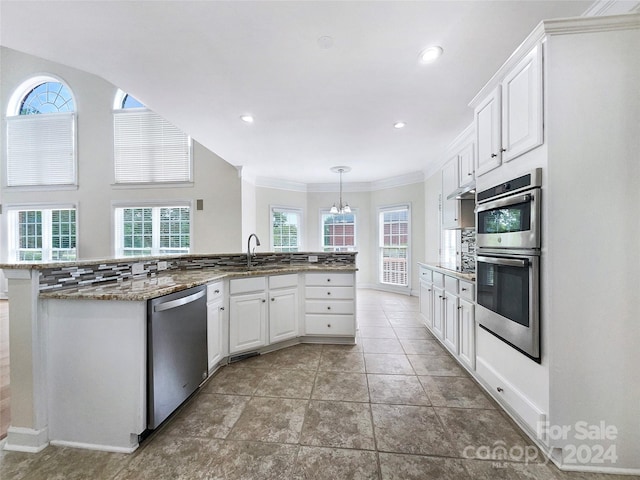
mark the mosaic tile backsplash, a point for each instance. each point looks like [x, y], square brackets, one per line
[118, 270]
[468, 250]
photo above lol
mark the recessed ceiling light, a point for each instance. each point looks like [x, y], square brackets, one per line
[430, 54]
[247, 118]
[399, 125]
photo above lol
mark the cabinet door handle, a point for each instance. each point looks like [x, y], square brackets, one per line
[469, 174]
[328, 325]
[459, 308]
[494, 155]
[221, 308]
[328, 279]
[503, 149]
[500, 389]
[263, 300]
[328, 308]
[216, 291]
[464, 289]
[328, 293]
[273, 299]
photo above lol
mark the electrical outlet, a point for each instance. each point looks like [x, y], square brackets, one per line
[313, 258]
[162, 265]
[137, 268]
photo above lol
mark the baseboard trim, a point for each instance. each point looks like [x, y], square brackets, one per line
[93, 446]
[21, 439]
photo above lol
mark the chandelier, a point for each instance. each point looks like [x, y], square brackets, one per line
[341, 207]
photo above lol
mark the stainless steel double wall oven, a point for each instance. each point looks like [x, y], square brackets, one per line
[508, 261]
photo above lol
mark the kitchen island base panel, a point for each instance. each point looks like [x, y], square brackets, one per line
[97, 365]
[28, 440]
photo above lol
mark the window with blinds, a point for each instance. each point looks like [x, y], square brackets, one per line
[41, 144]
[286, 229]
[394, 237]
[152, 230]
[338, 232]
[42, 234]
[149, 149]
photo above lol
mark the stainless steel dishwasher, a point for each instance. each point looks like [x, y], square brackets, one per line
[177, 350]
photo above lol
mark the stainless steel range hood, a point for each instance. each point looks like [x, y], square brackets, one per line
[464, 193]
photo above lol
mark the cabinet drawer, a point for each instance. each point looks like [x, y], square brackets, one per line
[466, 290]
[215, 291]
[330, 307]
[283, 281]
[336, 279]
[426, 274]
[342, 293]
[451, 284]
[329, 325]
[438, 279]
[245, 285]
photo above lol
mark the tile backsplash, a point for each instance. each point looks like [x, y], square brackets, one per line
[468, 250]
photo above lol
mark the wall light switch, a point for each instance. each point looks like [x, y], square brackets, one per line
[313, 258]
[162, 266]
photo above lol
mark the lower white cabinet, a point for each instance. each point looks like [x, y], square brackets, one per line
[438, 311]
[215, 322]
[330, 304]
[467, 337]
[450, 317]
[247, 321]
[283, 308]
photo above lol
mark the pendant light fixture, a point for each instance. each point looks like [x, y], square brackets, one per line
[341, 207]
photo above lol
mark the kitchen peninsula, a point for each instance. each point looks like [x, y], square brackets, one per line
[78, 332]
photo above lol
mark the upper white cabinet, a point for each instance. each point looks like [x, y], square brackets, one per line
[487, 120]
[457, 174]
[522, 106]
[466, 166]
[509, 120]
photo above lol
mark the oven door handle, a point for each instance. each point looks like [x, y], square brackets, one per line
[509, 262]
[505, 202]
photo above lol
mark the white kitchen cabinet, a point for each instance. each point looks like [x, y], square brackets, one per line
[467, 335]
[509, 120]
[426, 302]
[466, 165]
[283, 307]
[330, 305]
[215, 322]
[438, 311]
[488, 124]
[450, 207]
[522, 106]
[247, 321]
[450, 322]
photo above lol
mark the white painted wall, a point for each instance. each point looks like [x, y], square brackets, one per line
[268, 197]
[217, 228]
[432, 191]
[594, 232]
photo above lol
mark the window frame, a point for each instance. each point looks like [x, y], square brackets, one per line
[284, 209]
[354, 247]
[118, 225]
[13, 118]
[13, 231]
[380, 247]
[119, 110]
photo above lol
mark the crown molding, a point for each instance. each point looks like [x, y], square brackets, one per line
[561, 26]
[612, 7]
[353, 187]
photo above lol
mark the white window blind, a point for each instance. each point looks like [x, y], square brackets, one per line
[41, 150]
[148, 149]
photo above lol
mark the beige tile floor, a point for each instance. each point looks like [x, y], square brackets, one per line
[395, 406]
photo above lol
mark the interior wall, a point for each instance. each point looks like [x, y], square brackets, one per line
[593, 232]
[216, 182]
[432, 190]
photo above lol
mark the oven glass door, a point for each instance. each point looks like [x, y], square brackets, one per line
[507, 219]
[503, 286]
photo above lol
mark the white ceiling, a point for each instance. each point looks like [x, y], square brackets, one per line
[202, 64]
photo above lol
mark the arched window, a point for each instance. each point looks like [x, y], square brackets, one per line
[48, 97]
[147, 148]
[41, 142]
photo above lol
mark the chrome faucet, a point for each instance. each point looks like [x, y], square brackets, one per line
[249, 248]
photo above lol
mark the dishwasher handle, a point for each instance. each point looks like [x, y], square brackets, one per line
[179, 302]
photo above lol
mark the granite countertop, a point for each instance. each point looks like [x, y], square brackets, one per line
[170, 281]
[468, 276]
